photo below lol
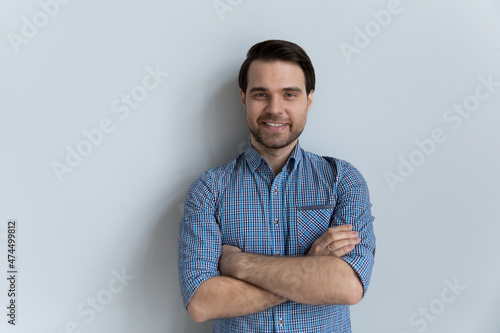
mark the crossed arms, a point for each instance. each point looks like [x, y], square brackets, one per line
[220, 281]
[251, 283]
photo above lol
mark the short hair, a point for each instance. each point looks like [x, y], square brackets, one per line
[278, 50]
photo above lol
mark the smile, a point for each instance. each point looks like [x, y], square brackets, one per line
[274, 124]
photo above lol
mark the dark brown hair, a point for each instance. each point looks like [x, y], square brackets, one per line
[278, 50]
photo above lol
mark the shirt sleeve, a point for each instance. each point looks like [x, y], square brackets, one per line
[199, 244]
[354, 207]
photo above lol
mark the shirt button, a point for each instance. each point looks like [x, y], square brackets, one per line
[275, 190]
[276, 222]
[280, 322]
[278, 253]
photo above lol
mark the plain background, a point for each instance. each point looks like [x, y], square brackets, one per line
[118, 210]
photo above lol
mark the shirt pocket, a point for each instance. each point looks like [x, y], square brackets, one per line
[312, 222]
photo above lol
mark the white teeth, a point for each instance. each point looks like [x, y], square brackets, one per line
[274, 124]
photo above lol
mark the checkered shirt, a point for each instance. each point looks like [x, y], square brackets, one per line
[242, 203]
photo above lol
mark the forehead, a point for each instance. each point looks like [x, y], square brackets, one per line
[275, 74]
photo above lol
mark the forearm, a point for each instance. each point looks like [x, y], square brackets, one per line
[317, 280]
[223, 297]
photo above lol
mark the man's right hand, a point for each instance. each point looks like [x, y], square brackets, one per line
[335, 241]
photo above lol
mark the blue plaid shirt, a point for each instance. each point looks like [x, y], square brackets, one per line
[242, 203]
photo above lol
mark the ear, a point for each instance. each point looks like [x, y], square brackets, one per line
[243, 99]
[310, 100]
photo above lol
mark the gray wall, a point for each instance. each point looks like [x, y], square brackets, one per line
[96, 182]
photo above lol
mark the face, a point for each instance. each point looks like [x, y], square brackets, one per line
[276, 103]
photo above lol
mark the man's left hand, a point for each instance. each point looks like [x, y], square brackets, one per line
[336, 241]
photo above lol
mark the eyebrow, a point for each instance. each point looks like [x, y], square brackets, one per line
[296, 89]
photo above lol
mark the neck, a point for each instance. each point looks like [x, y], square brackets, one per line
[276, 158]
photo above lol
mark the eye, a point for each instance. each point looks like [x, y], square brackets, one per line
[259, 95]
[290, 95]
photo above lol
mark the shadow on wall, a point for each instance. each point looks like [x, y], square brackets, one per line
[160, 289]
[225, 133]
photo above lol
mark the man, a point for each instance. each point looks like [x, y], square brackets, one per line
[278, 239]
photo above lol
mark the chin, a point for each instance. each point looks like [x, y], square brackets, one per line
[276, 144]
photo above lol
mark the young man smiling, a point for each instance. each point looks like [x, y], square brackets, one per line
[278, 239]
[276, 111]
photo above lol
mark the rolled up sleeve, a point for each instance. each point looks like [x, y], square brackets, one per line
[199, 244]
[354, 207]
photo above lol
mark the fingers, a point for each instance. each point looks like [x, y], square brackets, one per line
[343, 243]
[335, 234]
[340, 240]
[342, 247]
[342, 251]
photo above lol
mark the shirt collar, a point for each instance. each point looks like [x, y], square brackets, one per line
[254, 159]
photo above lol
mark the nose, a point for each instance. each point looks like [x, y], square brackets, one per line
[275, 105]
